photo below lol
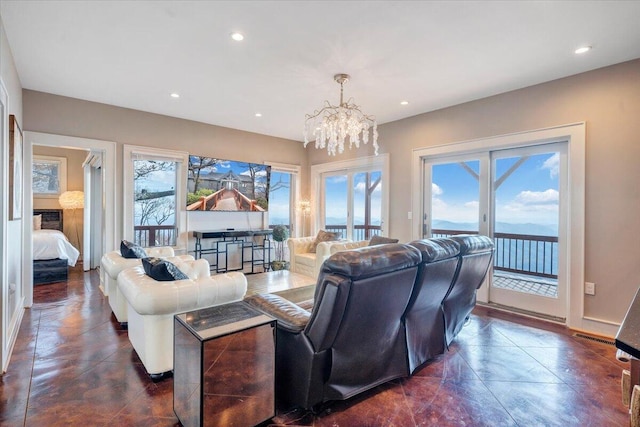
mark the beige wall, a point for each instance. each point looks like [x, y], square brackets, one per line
[54, 114]
[608, 100]
[75, 181]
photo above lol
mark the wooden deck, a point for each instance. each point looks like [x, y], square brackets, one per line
[526, 284]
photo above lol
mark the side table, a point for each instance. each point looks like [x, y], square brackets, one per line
[224, 366]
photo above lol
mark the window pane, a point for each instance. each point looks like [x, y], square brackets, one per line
[280, 198]
[367, 190]
[335, 204]
[455, 193]
[155, 202]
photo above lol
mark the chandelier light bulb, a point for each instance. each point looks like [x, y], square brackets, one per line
[333, 125]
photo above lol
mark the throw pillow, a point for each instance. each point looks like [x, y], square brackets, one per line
[37, 222]
[324, 236]
[131, 250]
[380, 240]
[162, 270]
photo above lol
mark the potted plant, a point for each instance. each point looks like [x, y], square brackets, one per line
[280, 235]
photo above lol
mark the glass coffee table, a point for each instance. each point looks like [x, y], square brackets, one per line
[294, 287]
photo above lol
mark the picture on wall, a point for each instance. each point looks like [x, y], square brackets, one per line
[227, 185]
[15, 169]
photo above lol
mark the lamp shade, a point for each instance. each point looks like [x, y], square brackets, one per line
[72, 200]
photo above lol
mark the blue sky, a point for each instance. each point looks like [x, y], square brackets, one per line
[528, 195]
[336, 201]
[279, 198]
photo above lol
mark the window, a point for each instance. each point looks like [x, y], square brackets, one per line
[283, 194]
[155, 184]
[351, 196]
[49, 176]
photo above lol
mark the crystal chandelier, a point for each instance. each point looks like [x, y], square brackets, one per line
[331, 125]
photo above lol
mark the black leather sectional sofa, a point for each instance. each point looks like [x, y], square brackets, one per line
[379, 313]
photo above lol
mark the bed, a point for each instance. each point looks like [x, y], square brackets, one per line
[52, 252]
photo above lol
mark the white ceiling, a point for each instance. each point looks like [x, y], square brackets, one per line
[433, 54]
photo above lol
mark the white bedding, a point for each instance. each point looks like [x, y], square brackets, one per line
[52, 244]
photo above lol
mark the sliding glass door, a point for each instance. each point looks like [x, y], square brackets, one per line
[515, 196]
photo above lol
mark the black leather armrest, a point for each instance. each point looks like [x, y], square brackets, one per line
[289, 316]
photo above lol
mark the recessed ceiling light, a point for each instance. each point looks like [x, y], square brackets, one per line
[404, 102]
[175, 95]
[237, 36]
[258, 114]
[583, 49]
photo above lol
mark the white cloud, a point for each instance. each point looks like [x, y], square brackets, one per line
[361, 186]
[435, 189]
[466, 212]
[336, 179]
[553, 164]
[546, 197]
[474, 204]
[531, 206]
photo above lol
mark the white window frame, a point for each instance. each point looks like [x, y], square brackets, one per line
[133, 152]
[364, 164]
[575, 134]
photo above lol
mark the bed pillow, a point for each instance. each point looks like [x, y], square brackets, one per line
[37, 222]
[380, 240]
[162, 270]
[131, 250]
[324, 236]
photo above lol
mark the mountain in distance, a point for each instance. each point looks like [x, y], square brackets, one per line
[501, 227]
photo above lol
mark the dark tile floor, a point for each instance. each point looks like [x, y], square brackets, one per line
[73, 366]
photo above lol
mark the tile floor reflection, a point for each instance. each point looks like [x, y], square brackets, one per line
[73, 366]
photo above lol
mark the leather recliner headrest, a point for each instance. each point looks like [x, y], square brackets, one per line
[473, 244]
[372, 260]
[437, 249]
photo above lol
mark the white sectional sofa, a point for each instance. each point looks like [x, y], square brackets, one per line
[303, 261]
[113, 263]
[152, 304]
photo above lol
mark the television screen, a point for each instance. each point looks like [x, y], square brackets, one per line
[227, 185]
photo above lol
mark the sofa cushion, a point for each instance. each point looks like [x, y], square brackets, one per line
[324, 236]
[306, 259]
[380, 240]
[162, 270]
[131, 250]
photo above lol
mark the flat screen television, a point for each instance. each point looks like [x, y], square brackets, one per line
[227, 185]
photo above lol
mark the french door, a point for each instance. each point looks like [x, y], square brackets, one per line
[352, 203]
[517, 197]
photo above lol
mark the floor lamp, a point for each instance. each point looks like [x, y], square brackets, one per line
[73, 200]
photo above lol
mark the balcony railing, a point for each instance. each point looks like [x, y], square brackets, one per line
[360, 232]
[155, 235]
[520, 253]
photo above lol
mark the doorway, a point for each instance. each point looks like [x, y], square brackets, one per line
[109, 179]
[513, 196]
